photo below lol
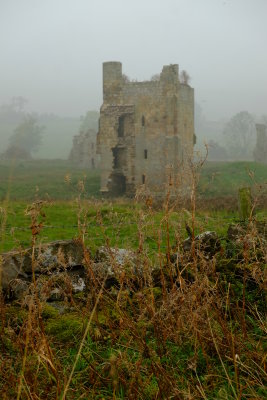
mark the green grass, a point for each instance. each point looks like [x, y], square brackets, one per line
[46, 179]
[106, 223]
[58, 180]
[220, 179]
[117, 223]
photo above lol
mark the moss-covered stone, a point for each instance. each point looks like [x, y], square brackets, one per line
[65, 328]
[49, 311]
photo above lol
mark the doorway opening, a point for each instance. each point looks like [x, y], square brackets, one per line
[117, 185]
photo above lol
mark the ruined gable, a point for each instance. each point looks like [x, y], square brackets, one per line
[83, 152]
[260, 152]
[146, 131]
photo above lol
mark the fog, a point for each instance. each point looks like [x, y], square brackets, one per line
[52, 51]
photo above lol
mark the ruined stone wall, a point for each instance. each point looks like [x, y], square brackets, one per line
[145, 128]
[111, 146]
[83, 153]
[186, 119]
[260, 152]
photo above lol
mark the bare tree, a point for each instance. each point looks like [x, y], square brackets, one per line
[27, 137]
[240, 136]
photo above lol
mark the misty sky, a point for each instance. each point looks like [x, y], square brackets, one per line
[52, 50]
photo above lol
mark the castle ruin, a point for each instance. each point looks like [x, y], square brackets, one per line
[260, 152]
[83, 152]
[146, 131]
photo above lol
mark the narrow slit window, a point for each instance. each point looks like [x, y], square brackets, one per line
[143, 121]
[145, 153]
[121, 126]
[143, 179]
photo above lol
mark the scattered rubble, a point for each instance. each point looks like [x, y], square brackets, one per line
[48, 260]
[207, 242]
[61, 271]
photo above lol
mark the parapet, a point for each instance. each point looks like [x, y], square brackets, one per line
[114, 83]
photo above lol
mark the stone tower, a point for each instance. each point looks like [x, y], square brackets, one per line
[146, 131]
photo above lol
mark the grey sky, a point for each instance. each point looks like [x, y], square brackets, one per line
[52, 50]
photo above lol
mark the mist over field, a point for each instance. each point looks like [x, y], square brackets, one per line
[133, 229]
[56, 139]
[52, 54]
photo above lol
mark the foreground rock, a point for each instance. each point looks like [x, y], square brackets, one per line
[17, 267]
[207, 243]
[60, 270]
[113, 265]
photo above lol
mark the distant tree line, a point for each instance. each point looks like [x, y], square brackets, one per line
[24, 135]
[27, 136]
[237, 139]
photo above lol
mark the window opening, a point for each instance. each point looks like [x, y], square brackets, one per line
[143, 120]
[143, 179]
[121, 126]
[145, 153]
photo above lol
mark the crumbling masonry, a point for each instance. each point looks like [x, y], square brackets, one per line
[146, 132]
[260, 152]
[83, 152]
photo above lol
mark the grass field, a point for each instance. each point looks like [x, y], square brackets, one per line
[57, 182]
[219, 179]
[57, 179]
[101, 220]
[45, 179]
[196, 331]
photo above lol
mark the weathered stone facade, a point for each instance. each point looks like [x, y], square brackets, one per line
[83, 152]
[260, 152]
[146, 131]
